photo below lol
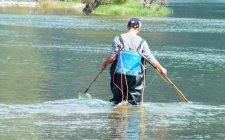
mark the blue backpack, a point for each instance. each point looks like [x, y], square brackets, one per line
[128, 61]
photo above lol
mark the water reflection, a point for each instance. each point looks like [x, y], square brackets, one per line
[159, 130]
[128, 123]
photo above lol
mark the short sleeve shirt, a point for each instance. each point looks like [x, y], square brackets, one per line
[132, 42]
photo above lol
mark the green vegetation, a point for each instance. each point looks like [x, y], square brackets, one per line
[117, 8]
[132, 8]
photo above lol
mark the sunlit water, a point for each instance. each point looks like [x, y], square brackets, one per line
[46, 58]
[96, 119]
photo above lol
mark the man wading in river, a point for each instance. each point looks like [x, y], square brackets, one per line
[128, 66]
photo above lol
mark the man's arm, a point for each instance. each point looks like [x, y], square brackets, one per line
[161, 69]
[107, 61]
[149, 57]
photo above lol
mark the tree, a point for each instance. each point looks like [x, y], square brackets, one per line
[92, 4]
[150, 3]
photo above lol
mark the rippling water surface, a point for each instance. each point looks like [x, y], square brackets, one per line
[96, 119]
[45, 59]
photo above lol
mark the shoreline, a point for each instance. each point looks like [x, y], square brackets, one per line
[110, 10]
[13, 4]
[19, 4]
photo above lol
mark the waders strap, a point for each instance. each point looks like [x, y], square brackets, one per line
[138, 49]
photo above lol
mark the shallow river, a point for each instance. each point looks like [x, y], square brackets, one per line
[46, 57]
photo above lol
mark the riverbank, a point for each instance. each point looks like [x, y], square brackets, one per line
[18, 4]
[125, 9]
[48, 5]
[72, 6]
[132, 9]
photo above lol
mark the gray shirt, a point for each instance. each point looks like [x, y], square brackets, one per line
[132, 42]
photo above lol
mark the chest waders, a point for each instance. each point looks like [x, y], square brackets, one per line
[127, 76]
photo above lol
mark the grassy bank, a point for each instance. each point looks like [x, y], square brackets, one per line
[132, 8]
[124, 9]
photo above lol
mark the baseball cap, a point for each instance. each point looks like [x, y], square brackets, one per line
[134, 22]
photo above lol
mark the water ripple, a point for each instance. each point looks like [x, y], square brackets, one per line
[73, 106]
[101, 23]
[57, 108]
[73, 115]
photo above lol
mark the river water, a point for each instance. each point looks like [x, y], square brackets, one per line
[46, 57]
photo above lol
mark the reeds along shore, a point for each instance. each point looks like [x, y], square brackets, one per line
[18, 4]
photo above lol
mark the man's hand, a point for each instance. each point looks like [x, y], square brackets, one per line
[107, 61]
[163, 71]
[104, 65]
[159, 68]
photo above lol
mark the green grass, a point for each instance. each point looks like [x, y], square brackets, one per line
[131, 8]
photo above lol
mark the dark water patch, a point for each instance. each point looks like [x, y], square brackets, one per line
[210, 9]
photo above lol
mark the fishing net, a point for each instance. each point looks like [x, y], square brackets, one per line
[84, 96]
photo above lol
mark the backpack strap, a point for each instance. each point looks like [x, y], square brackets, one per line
[140, 46]
[121, 40]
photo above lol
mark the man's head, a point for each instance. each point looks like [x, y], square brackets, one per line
[134, 23]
